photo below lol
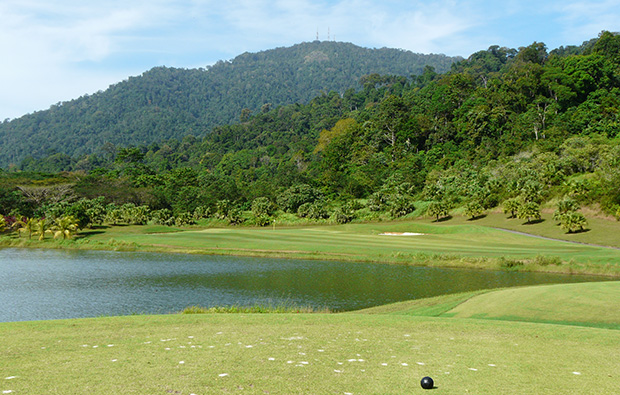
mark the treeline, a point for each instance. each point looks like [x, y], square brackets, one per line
[165, 103]
[512, 128]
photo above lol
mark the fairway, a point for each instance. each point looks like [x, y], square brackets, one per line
[306, 353]
[592, 304]
[464, 245]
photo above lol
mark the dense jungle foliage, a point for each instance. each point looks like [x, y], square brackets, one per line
[511, 128]
[166, 103]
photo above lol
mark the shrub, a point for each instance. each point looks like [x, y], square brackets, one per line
[222, 208]
[401, 205]
[262, 220]
[201, 212]
[162, 217]
[184, 219]
[376, 202]
[234, 216]
[565, 206]
[343, 215]
[314, 210]
[542, 260]
[295, 196]
[573, 222]
[262, 206]
[510, 264]
[529, 211]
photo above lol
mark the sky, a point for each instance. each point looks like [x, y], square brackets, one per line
[55, 51]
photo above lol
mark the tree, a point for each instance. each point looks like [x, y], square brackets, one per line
[512, 206]
[65, 226]
[529, 211]
[3, 225]
[474, 209]
[437, 209]
[390, 120]
[42, 227]
[573, 222]
[295, 196]
[26, 225]
[565, 206]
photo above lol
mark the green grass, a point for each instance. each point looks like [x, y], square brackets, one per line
[467, 244]
[584, 304]
[304, 353]
[457, 242]
[544, 339]
[474, 342]
[591, 304]
[600, 231]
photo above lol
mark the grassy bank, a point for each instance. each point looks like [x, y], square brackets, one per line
[386, 352]
[455, 243]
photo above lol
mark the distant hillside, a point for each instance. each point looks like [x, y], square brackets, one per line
[166, 103]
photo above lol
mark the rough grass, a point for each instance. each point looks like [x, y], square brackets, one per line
[283, 308]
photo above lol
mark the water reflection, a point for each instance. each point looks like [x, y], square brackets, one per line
[51, 284]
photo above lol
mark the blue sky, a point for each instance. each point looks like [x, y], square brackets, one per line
[55, 51]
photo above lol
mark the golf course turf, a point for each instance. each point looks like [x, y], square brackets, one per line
[358, 352]
[552, 339]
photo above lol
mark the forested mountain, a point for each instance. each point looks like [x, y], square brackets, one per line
[166, 103]
[519, 128]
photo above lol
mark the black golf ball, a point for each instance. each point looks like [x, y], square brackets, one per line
[427, 383]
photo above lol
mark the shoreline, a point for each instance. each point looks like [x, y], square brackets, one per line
[447, 261]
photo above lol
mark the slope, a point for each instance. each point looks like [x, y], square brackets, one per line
[166, 103]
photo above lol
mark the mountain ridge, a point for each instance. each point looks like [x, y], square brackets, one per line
[166, 102]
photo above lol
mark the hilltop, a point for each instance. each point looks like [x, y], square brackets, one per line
[165, 103]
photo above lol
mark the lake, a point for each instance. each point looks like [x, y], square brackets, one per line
[55, 284]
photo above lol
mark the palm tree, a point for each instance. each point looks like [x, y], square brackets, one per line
[65, 226]
[42, 227]
[26, 225]
[573, 222]
[512, 206]
[529, 211]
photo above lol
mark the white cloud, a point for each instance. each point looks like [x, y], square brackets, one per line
[55, 51]
[582, 20]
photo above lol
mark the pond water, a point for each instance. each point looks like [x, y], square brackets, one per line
[56, 284]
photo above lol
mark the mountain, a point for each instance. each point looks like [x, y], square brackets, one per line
[165, 103]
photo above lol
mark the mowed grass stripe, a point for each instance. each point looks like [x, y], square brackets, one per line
[470, 242]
